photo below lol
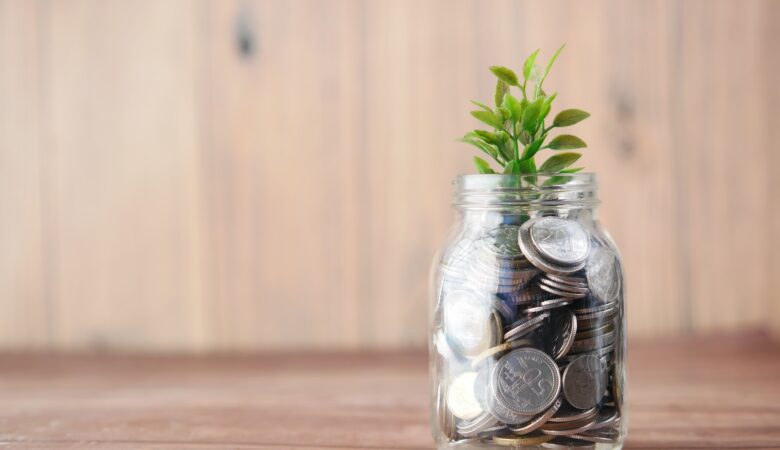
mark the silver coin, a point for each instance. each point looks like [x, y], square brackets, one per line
[603, 273]
[595, 331]
[573, 281]
[524, 326]
[548, 304]
[568, 414]
[505, 414]
[533, 255]
[569, 432]
[598, 436]
[603, 314]
[602, 353]
[531, 294]
[526, 381]
[460, 397]
[561, 293]
[585, 381]
[471, 428]
[563, 286]
[606, 419]
[537, 421]
[489, 432]
[596, 308]
[594, 343]
[468, 322]
[562, 241]
[564, 322]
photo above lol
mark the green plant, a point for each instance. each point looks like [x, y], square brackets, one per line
[518, 130]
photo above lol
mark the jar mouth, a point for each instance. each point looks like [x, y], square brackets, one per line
[539, 190]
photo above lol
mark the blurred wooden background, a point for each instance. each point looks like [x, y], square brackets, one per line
[195, 175]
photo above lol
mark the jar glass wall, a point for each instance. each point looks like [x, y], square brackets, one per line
[527, 335]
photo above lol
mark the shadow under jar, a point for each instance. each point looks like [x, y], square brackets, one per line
[527, 336]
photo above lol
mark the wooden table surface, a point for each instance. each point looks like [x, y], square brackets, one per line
[719, 392]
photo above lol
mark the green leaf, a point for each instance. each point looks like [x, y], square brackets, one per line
[487, 136]
[503, 113]
[489, 149]
[504, 74]
[557, 179]
[531, 115]
[569, 117]
[513, 167]
[527, 166]
[529, 64]
[501, 90]
[561, 179]
[513, 105]
[525, 137]
[559, 162]
[489, 118]
[550, 64]
[532, 149]
[546, 106]
[566, 142]
[482, 105]
[482, 165]
[505, 145]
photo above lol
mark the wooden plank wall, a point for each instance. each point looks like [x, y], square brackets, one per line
[195, 175]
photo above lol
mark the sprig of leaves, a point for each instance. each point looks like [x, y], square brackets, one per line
[517, 130]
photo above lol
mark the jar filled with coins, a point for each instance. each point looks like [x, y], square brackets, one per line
[527, 336]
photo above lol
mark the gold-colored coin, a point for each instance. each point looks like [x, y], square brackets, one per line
[516, 441]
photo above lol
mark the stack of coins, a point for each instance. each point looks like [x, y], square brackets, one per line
[529, 318]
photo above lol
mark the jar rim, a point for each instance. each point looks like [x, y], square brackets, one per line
[546, 189]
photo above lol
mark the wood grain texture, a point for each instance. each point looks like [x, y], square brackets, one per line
[274, 174]
[122, 135]
[283, 159]
[23, 268]
[677, 392]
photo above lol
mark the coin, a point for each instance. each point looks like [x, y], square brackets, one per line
[468, 322]
[564, 322]
[603, 273]
[548, 304]
[538, 421]
[562, 286]
[472, 427]
[572, 281]
[568, 431]
[501, 348]
[460, 397]
[594, 343]
[568, 414]
[561, 293]
[526, 381]
[532, 254]
[504, 414]
[600, 436]
[522, 326]
[521, 441]
[562, 241]
[584, 381]
[562, 443]
[606, 419]
[595, 331]
[531, 294]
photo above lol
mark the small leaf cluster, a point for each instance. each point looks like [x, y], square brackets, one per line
[517, 124]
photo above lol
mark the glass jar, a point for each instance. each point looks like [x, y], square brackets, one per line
[527, 336]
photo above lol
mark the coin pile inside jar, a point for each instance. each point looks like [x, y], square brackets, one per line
[529, 325]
